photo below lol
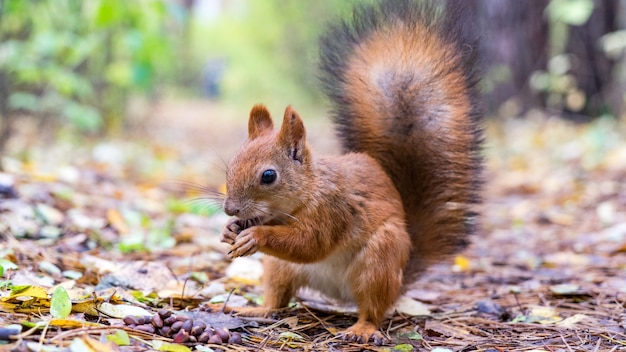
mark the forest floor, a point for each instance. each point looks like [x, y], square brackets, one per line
[95, 237]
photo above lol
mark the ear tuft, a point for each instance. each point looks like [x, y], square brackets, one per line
[260, 121]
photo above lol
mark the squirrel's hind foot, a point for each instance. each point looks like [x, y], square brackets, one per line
[364, 332]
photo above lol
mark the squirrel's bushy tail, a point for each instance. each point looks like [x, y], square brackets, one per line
[403, 82]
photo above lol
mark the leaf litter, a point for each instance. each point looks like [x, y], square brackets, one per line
[93, 239]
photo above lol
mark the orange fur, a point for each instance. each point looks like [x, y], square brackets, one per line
[359, 226]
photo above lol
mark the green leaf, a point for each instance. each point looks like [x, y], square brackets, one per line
[23, 101]
[411, 336]
[171, 347]
[572, 12]
[84, 117]
[120, 338]
[6, 264]
[405, 347]
[60, 305]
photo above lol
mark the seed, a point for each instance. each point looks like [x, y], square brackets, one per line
[215, 339]
[204, 337]
[187, 325]
[166, 331]
[130, 320]
[181, 336]
[198, 327]
[157, 321]
[164, 313]
[145, 328]
[235, 338]
[177, 325]
[169, 320]
[223, 334]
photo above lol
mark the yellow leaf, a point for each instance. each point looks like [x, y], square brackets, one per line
[72, 324]
[7, 307]
[570, 323]
[461, 264]
[543, 315]
[87, 344]
[87, 306]
[117, 221]
[32, 291]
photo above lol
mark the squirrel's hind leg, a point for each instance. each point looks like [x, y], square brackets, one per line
[376, 279]
[280, 281]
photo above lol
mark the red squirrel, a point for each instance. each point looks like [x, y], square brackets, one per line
[362, 225]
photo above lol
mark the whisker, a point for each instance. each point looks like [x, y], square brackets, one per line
[201, 200]
[180, 186]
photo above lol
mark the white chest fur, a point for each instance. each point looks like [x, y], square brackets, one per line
[331, 276]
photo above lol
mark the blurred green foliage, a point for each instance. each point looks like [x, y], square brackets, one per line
[557, 81]
[269, 49]
[79, 60]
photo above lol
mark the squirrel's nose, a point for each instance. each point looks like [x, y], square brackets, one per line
[229, 208]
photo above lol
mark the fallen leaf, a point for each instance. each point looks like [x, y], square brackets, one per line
[406, 305]
[120, 338]
[87, 344]
[72, 323]
[122, 310]
[461, 264]
[60, 304]
[570, 322]
[171, 347]
[566, 290]
[405, 347]
[542, 315]
[28, 291]
[438, 328]
[115, 219]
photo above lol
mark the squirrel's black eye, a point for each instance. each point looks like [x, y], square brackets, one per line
[268, 177]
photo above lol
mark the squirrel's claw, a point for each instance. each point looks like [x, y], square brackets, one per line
[364, 333]
[245, 244]
[230, 231]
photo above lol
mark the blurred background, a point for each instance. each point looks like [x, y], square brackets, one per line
[169, 72]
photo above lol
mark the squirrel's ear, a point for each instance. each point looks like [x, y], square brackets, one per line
[292, 134]
[260, 121]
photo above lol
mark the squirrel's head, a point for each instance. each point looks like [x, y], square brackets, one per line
[266, 177]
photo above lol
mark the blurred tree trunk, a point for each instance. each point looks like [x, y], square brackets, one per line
[593, 70]
[516, 43]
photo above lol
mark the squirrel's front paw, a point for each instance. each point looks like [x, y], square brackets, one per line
[231, 231]
[244, 244]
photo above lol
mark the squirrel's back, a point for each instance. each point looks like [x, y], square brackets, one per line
[403, 82]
